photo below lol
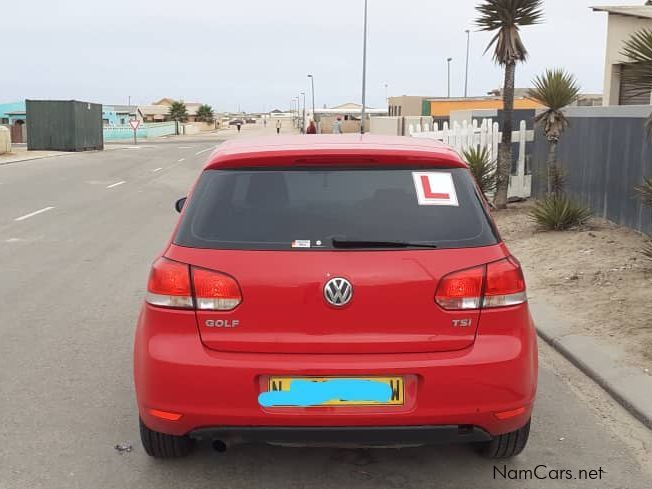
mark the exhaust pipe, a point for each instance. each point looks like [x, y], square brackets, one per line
[220, 446]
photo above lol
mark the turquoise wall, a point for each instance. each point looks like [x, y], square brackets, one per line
[150, 130]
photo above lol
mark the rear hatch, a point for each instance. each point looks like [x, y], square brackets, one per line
[284, 234]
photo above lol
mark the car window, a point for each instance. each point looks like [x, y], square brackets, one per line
[281, 209]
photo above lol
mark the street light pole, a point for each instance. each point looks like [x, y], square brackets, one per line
[466, 76]
[364, 71]
[312, 83]
[303, 120]
[449, 76]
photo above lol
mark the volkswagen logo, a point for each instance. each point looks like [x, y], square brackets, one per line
[338, 292]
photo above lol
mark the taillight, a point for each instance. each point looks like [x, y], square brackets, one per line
[169, 286]
[505, 285]
[498, 284]
[461, 290]
[215, 291]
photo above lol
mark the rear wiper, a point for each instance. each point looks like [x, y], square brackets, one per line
[354, 243]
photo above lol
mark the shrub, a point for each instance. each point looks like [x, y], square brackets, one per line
[647, 251]
[557, 213]
[482, 167]
[645, 192]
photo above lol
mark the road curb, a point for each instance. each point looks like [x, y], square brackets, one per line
[604, 363]
[56, 155]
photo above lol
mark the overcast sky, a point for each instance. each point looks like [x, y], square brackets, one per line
[256, 53]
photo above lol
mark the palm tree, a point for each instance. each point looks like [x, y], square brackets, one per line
[505, 18]
[178, 112]
[555, 89]
[638, 51]
[483, 168]
[205, 113]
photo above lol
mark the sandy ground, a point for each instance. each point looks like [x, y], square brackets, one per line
[595, 277]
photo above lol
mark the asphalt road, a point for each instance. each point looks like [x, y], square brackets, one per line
[72, 278]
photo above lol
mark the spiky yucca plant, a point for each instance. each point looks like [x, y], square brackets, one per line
[557, 212]
[555, 89]
[645, 192]
[638, 51]
[483, 168]
[505, 18]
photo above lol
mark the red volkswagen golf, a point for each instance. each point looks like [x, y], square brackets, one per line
[335, 290]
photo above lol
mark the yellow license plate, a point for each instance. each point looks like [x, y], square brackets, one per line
[334, 391]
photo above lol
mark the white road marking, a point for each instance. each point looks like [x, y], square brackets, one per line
[185, 147]
[182, 159]
[157, 169]
[203, 151]
[35, 213]
[116, 184]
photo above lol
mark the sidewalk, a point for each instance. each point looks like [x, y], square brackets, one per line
[604, 362]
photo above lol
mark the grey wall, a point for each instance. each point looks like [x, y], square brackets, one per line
[605, 153]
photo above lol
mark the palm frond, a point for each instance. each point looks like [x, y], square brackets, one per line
[555, 89]
[482, 167]
[506, 17]
[645, 192]
[638, 75]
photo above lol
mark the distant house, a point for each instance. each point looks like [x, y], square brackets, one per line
[14, 116]
[623, 22]
[349, 114]
[119, 115]
[154, 113]
[191, 107]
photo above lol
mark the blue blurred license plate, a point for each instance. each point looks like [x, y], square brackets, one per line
[333, 391]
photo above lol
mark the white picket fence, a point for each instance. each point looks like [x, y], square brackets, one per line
[488, 135]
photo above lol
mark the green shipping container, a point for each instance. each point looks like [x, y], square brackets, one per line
[64, 125]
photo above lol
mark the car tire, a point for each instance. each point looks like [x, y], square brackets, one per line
[160, 445]
[507, 445]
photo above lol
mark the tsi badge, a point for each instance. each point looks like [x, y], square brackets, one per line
[462, 323]
[222, 323]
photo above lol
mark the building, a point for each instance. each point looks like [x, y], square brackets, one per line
[191, 107]
[623, 22]
[119, 115]
[440, 108]
[407, 106]
[349, 114]
[13, 115]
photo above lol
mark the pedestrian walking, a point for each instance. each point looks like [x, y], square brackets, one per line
[239, 126]
[312, 128]
[337, 126]
[278, 126]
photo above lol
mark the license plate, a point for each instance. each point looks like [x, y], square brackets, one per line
[333, 391]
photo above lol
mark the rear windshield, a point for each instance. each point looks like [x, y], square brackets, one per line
[307, 209]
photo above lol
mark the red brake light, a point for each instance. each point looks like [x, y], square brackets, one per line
[215, 291]
[169, 285]
[461, 290]
[505, 285]
[498, 284]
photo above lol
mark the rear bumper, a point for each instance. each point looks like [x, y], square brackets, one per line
[347, 435]
[175, 373]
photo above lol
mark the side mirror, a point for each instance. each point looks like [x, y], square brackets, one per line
[178, 205]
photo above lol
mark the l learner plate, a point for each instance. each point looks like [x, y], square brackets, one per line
[333, 391]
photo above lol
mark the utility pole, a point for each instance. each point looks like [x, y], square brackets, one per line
[466, 76]
[448, 60]
[312, 83]
[364, 71]
[303, 120]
